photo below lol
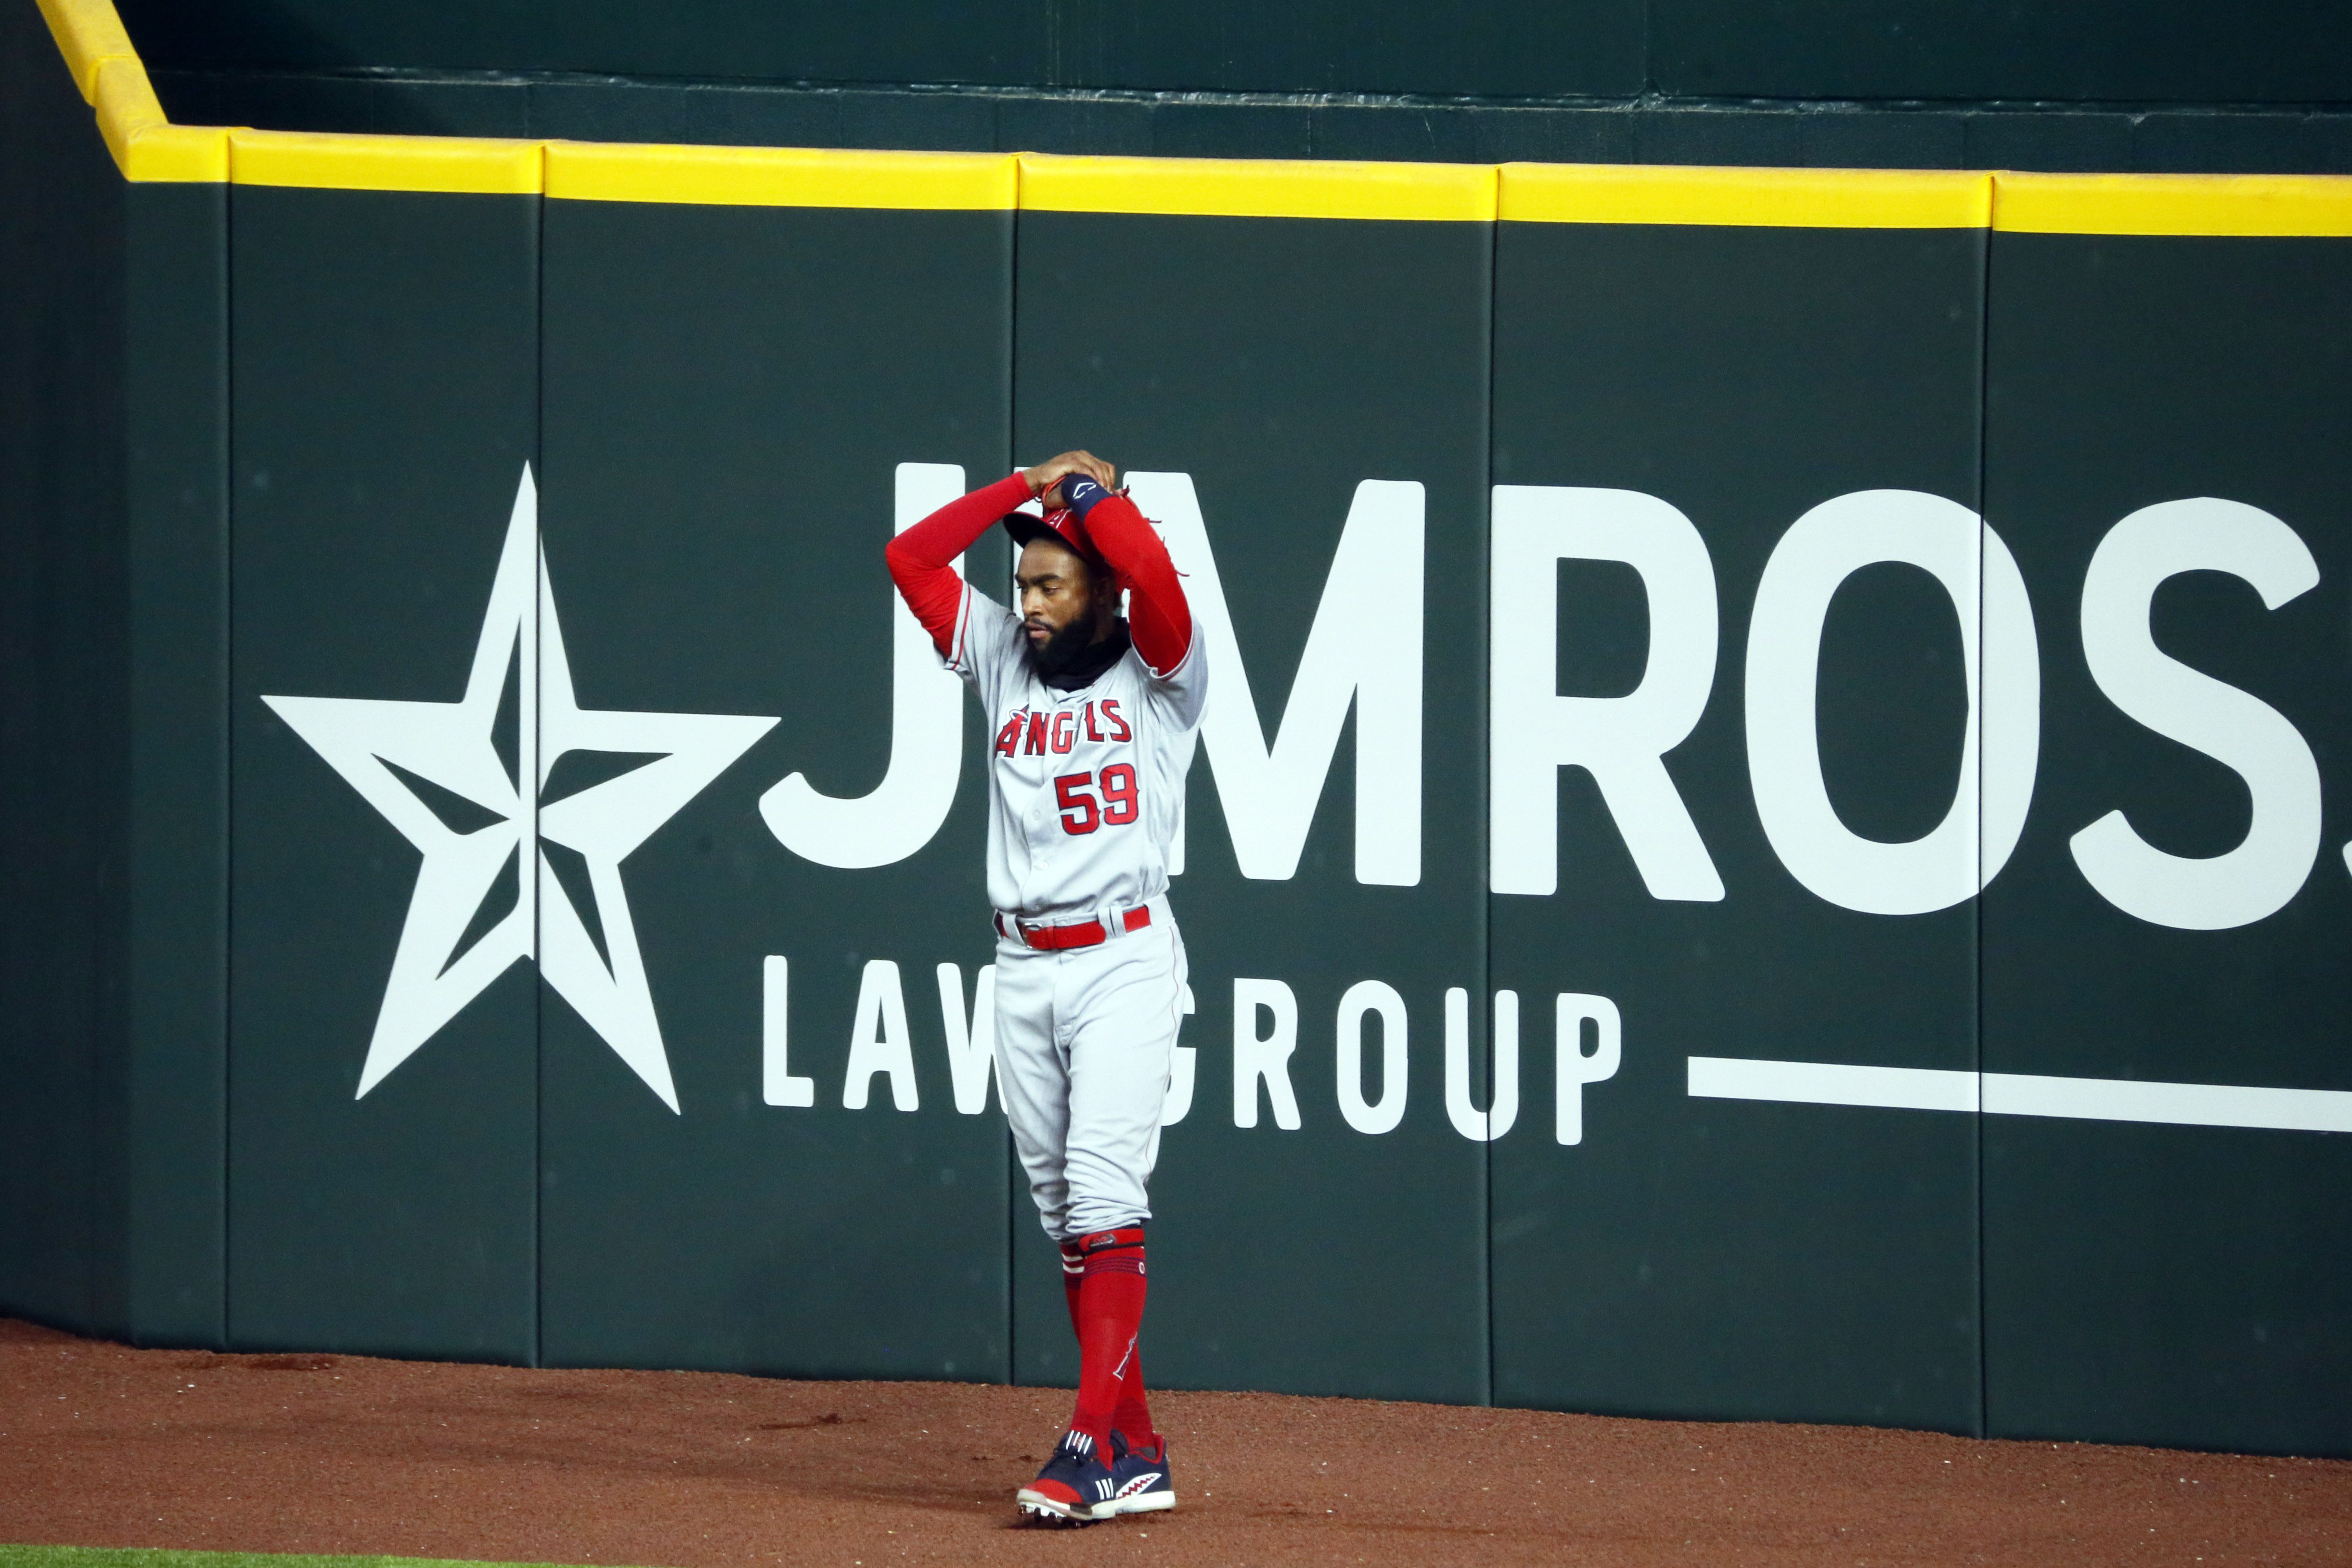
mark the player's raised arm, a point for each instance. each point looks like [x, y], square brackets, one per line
[922, 559]
[1159, 617]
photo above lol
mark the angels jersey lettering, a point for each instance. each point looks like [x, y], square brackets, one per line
[1084, 787]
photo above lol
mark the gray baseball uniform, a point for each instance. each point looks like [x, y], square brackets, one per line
[1084, 791]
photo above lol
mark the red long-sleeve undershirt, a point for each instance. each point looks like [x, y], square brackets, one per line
[922, 559]
[1159, 617]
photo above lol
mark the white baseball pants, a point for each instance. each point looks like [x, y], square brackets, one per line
[1085, 1038]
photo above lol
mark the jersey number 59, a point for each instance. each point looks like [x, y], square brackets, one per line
[1081, 814]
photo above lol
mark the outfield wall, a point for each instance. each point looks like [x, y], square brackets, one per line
[1684, 919]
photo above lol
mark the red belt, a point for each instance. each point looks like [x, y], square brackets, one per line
[1083, 934]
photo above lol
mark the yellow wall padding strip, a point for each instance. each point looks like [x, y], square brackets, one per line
[1760, 198]
[780, 177]
[2318, 206]
[478, 165]
[146, 146]
[1258, 188]
[89, 33]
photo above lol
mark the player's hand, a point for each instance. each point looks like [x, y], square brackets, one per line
[1045, 478]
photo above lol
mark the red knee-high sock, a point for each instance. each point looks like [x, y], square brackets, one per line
[1133, 1417]
[1110, 1314]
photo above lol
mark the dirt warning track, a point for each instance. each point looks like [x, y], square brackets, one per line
[104, 1446]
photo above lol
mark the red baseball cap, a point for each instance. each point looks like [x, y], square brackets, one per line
[1061, 525]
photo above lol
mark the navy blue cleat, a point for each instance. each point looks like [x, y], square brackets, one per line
[1139, 1479]
[1074, 1484]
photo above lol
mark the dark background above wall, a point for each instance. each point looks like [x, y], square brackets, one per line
[2193, 51]
[2189, 85]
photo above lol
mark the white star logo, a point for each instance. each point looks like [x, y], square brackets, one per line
[383, 748]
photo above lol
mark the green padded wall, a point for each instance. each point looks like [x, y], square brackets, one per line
[384, 396]
[2151, 1283]
[733, 396]
[1706, 1256]
[62, 619]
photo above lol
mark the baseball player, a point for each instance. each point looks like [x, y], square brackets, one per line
[1094, 719]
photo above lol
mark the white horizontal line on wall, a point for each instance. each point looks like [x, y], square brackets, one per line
[2021, 1094]
[1830, 1084]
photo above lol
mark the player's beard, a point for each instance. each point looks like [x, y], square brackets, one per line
[1064, 650]
[1070, 659]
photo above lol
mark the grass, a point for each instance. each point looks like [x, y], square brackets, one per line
[158, 1557]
